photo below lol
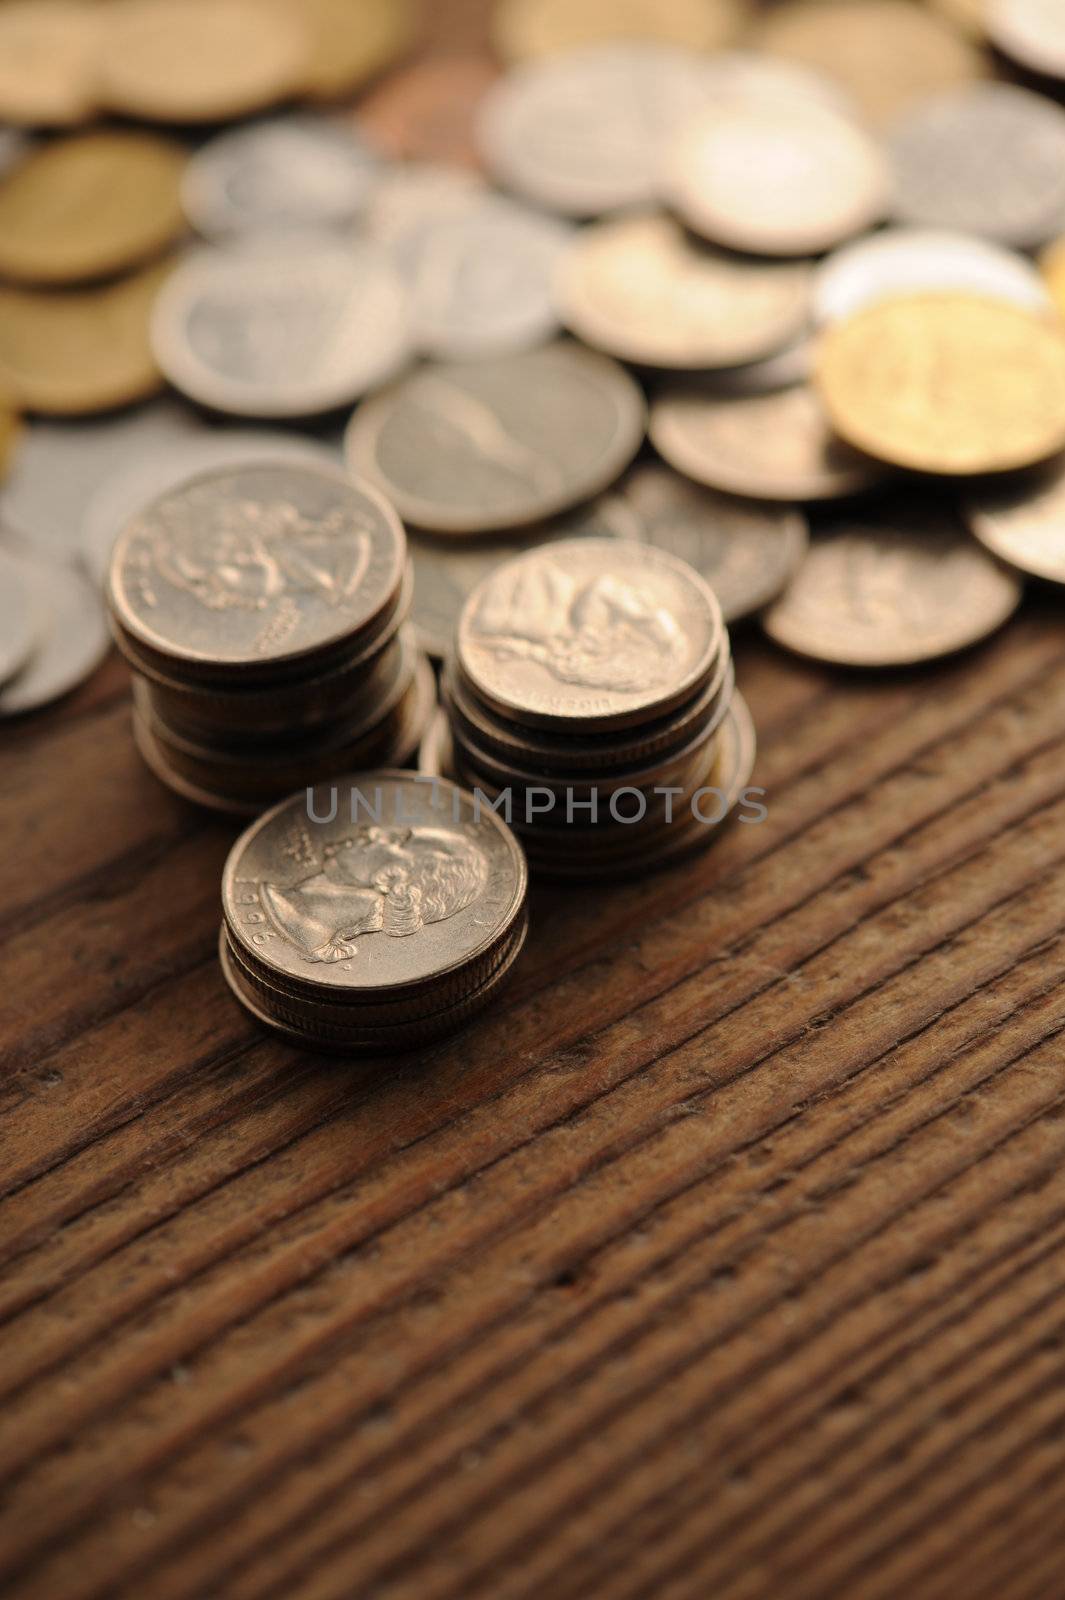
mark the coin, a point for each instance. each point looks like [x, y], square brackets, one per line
[641, 289]
[71, 634]
[897, 583]
[283, 172]
[1030, 32]
[11, 432]
[988, 159]
[20, 625]
[589, 634]
[90, 205]
[524, 29]
[1022, 519]
[947, 383]
[1052, 267]
[75, 351]
[47, 62]
[351, 40]
[745, 551]
[789, 367]
[200, 60]
[408, 196]
[887, 53]
[299, 327]
[428, 111]
[968, 15]
[908, 260]
[787, 177]
[480, 446]
[254, 567]
[14, 147]
[771, 446]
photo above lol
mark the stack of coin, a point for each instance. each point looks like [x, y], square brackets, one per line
[261, 608]
[591, 699]
[373, 914]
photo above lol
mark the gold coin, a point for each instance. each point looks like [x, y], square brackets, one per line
[90, 205]
[48, 51]
[352, 40]
[201, 60]
[526, 29]
[947, 383]
[71, 352]
[1052, 266]
[887, 53]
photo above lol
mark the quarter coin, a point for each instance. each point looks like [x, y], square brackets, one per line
[642, 289]
[1022, 520]
[1030, 32]
[19, 622]
[479, 446]
[524, 29]
[899, 261]
[351, 40]
[48, 54]
[428, 111]
[896, 584]
[71, 634]
[946, 383]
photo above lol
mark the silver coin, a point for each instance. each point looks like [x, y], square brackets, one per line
[1031, 32]
[478, 446]
[642, 289]
[1022, 520]
[745, 551]
[988, 159]
[416, 192]
[72, 637]
[775, 446]
[283, 173]
[288, 330]
[913, 260]
[20, 624]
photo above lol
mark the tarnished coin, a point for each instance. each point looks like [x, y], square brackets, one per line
[1030, 32]
[887, 53]
[90, 205]
[1022, 519]
[947, 383]
[592, 634]
[988, 159]
[898, 583]
[297, 328]
[478, 446]
[746, 552]
[255, 567]
[283, 173]
[787, 177]
[200, 60]
[72, 352]
[642, 289]
[351, 40]
[771, 446]
[525, 29]
[409, 196]
[911, 260]
[48, 51]
[20, 625]
[71, 634]
[428, 111]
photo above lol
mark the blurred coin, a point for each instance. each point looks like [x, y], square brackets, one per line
[408, 196]
[48, 54]
[20, 625]
[200, 60]
[789, 367]
[351, 40]
[72, 352]
[773, 446]
[947, 383]
[641, 289]
[988, 159]
[475, 447]
[909, 260]
[745, 551]
[1052, 267]
[1030, 32]
[968, 15]
[749, 76]
[299, 327]
[428, 111]
[893, 584]
[72, 637]
[286, 172]
[887, 53]
[90, 205]
[523, 29]
[787, 177]
[1022, 519]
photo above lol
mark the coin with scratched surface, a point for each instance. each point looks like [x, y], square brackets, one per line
[910, 260]
[428, 111]
[1031, 32]
[351, 40]
[894, 584]
[71, 634]
[642, 289]
[988, 159]
[285, 331]
[944, 383]
[745, 551]
[772, 446]
[19, 622]
[256, 566]
[48, 62]
[1022, 519]
[787, 177]
[90, 205]
[592, 634]
[478, 446]
[525, 29]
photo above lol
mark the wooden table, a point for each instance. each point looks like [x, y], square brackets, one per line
[724, 1258]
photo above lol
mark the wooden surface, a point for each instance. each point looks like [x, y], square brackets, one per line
[724, 1258]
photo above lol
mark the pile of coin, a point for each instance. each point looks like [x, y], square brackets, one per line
[373, 914]
[261, 608]
[591, 697]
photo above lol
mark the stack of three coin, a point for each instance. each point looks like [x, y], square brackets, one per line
[262, 611]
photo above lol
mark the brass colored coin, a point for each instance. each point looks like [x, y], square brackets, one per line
[526, 29]
[428, 112]
[90, 205]
[1052, 266]
[1022, 520]
[200, 60]
[946, 383]
[1030, 32]
[352, 40]
[71, 352]
[48, 51]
